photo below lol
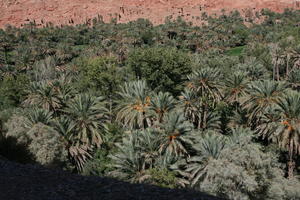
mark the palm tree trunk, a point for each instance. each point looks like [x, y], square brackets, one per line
[110, 108]
[274, 70]
[291, 167]
[277, 71]
[291, 162]
[287, 65]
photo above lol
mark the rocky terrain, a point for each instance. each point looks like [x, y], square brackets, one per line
[18, 12]
[30, 182]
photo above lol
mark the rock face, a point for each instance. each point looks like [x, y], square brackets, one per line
[32, 182]
[18, 12]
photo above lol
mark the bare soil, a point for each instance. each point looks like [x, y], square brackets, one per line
[18, 12]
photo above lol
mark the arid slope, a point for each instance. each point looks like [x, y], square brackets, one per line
[18, 12]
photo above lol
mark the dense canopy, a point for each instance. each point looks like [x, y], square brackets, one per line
[215, 108]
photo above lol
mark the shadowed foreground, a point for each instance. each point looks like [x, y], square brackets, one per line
[35, 182]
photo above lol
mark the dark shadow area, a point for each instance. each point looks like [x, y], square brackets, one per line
[11, 150]
[30, 182]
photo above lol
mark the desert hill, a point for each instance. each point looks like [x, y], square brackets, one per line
[18, 12]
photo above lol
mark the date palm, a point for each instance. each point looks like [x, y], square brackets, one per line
[207, 119]
[253, 69]
[79, 153]
[136, 154]
[42, 94]
[208, 149]
[134, 105]
[294, 79]
[261, 96]
[188, 102]
[87, 114]
[161, 104]
[175, 131]
[287, 133]
[206, 83]
[277, 59]
[198, 111]
[38, 115]
[235, 87]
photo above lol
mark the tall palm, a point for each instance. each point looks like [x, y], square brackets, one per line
[277, 59]
[135, 155]
[198, 111]
[43, 95]
[294, 79]
[149, 147]
[38, 115]
[207, 119]
[88, 114]
[78, 152]
[64, 89]
[208, 149]
[261, 96]
[235, 87]
[188, 102]
[254, 69]
[133, 108]
[175, 131]
[206, 83]
[161, 104]
[287, 133]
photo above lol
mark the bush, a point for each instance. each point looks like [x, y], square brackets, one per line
[162, 177]
[101, 74]
[164, 69]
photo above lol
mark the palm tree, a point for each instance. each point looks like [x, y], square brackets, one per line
[261, 96]
[277, 59]
[209, 148]
[64, 90]
[134, 105]
[128, 164]
[235, 87]
[78, 152]
[38, 115]
[161, 104]
[198, 111]
[136, 154]
[254, 69]
[294, 79]
[42, 94]
[206, 83]
[207, 119]
[188, 102]
[287, 133]
[175, 131]
[88, 115]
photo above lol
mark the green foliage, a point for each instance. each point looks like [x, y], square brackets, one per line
[40, 140]
[134, 105]
[135, 155]
[226, 167]
[47, 146]
[164, 69]
[162, 177]
[99, 165]
[12, 91]
[212, 107]
[101, 74]
[236, 51]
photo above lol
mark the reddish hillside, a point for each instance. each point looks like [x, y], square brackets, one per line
[17, 12]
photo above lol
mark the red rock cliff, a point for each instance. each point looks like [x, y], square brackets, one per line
[18, 12]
